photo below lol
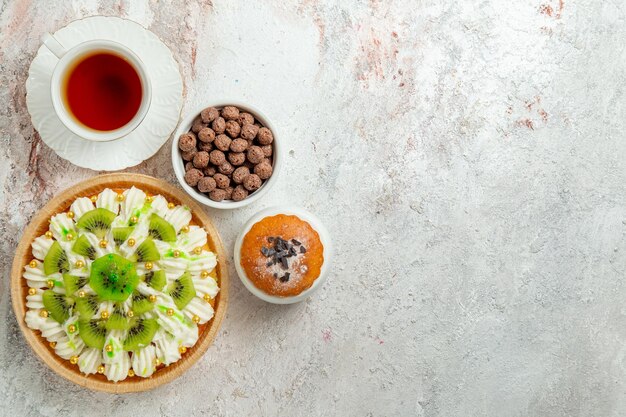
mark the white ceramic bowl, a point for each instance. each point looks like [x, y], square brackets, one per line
[179, 164]
[324, 237]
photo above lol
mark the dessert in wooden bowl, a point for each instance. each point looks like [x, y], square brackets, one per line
[120, 283]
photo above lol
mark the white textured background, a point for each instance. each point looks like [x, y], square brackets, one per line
[468, 159]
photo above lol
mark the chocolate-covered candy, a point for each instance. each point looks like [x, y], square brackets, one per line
[255, 154]
[226, 168]
[218, 125]
[252, 182]
[193, 176]
[221, 180]
[222, 142]
[263, 170]
[239, 193]
[230, 113]
[264, 136]
[240, 174]
[217, 157]
[187, 142]
[249, 131]
[201, 159]
[205, 146]
[232, 128]
[188, 156]
[239, 145]
[206, 135]
[246, 119]
[210, 171]
[217, 194]
[209, 114]
[236, 158]
[206, 184]
[267, 150]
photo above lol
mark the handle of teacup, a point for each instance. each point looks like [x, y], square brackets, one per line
[53, 45]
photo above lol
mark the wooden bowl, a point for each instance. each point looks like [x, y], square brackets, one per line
[39, 225]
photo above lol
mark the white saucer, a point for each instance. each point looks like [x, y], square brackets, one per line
[152, 133]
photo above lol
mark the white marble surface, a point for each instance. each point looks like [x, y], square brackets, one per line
[468, 159]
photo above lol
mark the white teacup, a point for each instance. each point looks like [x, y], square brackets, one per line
[67, 57]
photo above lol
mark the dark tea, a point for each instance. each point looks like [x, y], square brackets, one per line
[103, 91]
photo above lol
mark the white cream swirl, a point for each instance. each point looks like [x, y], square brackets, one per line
[118, 370]
[200, 308]
[167, 348]
[143, 361]
[80, 206]
[89, 360]
[41, 246]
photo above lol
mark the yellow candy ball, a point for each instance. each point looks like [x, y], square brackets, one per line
[108, 348]
[131, 242]
[170, 311]
[94, 198]
[130, 313]
[103, 243]
[207, 298]
[152, 298]
[176, 253]
[101, 369]
[204, 274]
[70, 214]
[50, 283]
[182, 349]
[81, 294]
[195, 319]
[171, 205]
[104, 314]
[131, 373]
[33, 264]
[71, 328]
[148, 265]
[48, 234]
[74, 360]
[32, 291]
[185, 229]
[44, 314]
[69, 236]
[53, 344]
[79, 264]
[134, 219]
[120, 197]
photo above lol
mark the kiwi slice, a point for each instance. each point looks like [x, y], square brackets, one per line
[141, 304]
[73, 283]
[140, 333]
[84, 248]
[113, 277]
[93, 332]
[56, 260]
[97, 221]
[155, 279]
[118, 319]
[120, 234]
[182, 290]
[161, 229]
[147, 251]
[88, 305]
[58, 305]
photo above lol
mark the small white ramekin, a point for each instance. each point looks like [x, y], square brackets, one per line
[324, 237]
[179, 165]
